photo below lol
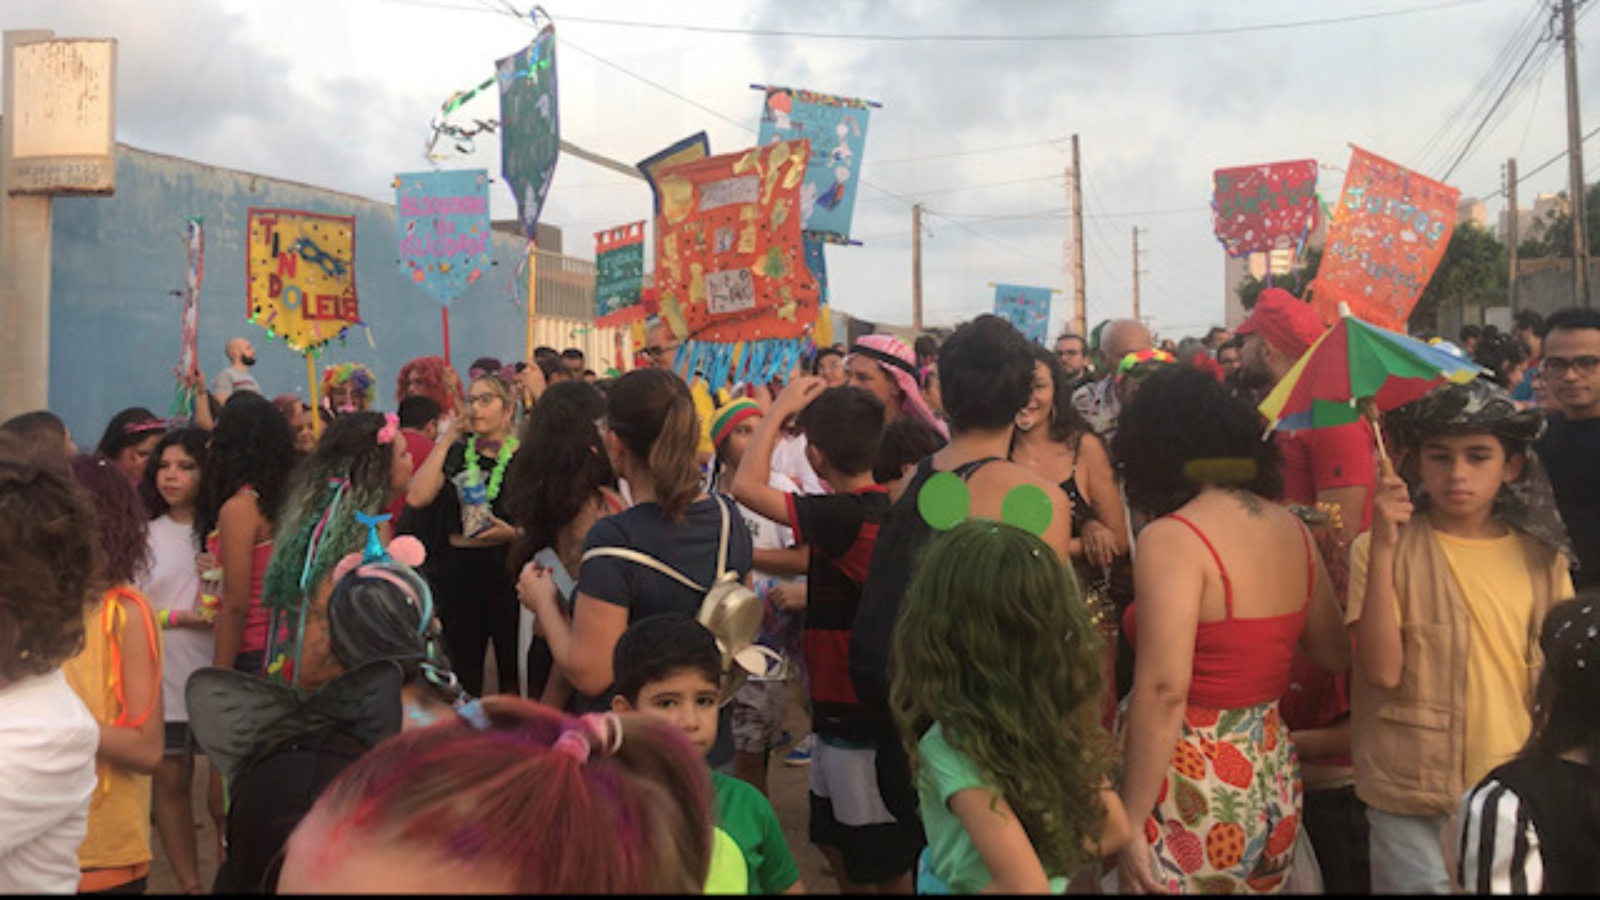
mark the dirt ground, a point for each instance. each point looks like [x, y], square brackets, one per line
[787, 785]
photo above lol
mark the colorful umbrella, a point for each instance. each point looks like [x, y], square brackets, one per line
[1356, 369]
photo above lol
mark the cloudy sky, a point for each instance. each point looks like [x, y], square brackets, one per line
[339, 93]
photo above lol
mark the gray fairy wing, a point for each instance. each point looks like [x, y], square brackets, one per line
[364, 701]
[231, 713]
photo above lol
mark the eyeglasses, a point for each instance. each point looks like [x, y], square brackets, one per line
[482, 399]
[655, 352]
[1557, 366]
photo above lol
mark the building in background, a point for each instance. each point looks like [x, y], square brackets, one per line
[118, 268]
[1531, 223]
[1471, 209]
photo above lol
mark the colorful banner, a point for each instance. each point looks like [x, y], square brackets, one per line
[837, 130]
[1252, 207]
[1388, 233]
[530, 124]
[1026, 308]
[817, 263]
[729, 264]
[300, 276]
[695, 146]
[618, 275]
[443, 224]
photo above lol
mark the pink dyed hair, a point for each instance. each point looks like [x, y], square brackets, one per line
[506, 800]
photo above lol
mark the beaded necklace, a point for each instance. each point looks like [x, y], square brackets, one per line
[501, 459]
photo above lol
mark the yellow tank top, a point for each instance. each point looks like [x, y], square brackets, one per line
[119, 810]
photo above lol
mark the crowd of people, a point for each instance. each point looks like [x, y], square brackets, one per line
[1067, 619]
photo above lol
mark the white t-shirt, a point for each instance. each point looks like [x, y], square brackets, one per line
[171, 582]
[47, 746]
[789, 458]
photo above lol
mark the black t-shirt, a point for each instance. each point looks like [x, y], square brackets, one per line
[1570, 451]
[437, 522]
[688, 545]
[841, 530]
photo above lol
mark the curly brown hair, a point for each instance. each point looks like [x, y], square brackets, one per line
[123, 524]
[50, 560]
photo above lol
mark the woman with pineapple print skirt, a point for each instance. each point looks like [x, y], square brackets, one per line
[1227, 584]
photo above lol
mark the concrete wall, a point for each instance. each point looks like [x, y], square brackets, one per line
[117, 261]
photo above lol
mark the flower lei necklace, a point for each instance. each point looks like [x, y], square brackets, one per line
[501, 459]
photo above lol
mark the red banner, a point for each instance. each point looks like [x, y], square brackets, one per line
[1253, 206]
[1388, 234]
[728, 257]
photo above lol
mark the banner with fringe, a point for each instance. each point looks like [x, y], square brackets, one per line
[730, 267]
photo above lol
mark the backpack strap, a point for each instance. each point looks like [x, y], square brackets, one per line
[650, 562]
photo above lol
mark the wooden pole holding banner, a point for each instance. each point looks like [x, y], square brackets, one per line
[311, 380]
[533, 280]
[444, 326]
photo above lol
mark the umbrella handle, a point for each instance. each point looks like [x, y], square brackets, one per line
[1369, 409]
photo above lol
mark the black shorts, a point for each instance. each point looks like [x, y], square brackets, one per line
[179, 739]
[872, 853]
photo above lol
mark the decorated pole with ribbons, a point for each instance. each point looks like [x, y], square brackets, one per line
[188, 368]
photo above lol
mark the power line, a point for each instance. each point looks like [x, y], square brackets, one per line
[1524, 176]
[1515, 78]
[959, 37]
[1480, 90]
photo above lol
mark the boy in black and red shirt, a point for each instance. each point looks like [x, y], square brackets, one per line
[867, 846]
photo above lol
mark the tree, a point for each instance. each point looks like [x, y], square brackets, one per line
[1473, 267]
[1555, 240]
[1304, 270]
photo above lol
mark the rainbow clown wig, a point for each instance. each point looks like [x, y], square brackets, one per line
[354, 382]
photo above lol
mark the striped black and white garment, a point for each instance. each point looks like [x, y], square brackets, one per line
[1531, 826]
[1498, 849]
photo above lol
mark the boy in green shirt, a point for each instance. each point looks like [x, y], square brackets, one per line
[668, 667]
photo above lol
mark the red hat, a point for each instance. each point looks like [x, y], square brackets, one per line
[1290, 325]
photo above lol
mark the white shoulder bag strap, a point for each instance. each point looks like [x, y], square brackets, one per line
[650, 562]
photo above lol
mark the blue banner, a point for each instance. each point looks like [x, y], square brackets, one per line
[836, 128]
[530, 124]
[443, 224]
[1027, 308]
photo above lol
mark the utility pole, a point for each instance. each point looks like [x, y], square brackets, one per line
[1512, 231]
[1080, 309]
[1580, 245]
[916, 268]
[1136, 230]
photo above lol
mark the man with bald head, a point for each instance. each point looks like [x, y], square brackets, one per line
[1098, 402]
[236, 377]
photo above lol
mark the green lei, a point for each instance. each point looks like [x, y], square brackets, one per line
[501, 459]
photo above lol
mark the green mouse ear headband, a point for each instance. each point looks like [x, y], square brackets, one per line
[945, 502]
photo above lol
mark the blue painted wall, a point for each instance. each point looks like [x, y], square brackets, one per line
[115, 324]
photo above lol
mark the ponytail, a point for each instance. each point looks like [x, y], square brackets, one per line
[673, 472]
[651, 411]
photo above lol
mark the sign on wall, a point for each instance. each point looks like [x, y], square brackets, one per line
[63, 107]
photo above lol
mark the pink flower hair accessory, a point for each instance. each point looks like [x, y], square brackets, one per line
[391, 427]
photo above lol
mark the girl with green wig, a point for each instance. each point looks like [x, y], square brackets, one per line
[996, 692]
[359, 466]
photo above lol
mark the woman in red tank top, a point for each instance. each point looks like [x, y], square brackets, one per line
[1226, 585]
